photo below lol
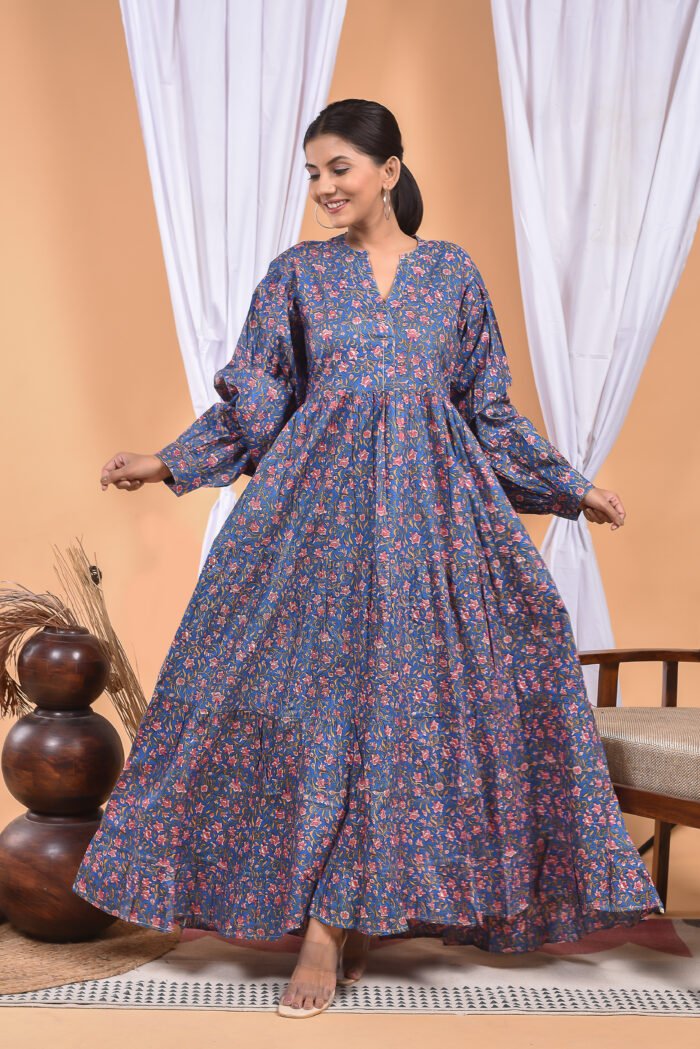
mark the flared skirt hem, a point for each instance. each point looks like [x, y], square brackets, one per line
[540, 920]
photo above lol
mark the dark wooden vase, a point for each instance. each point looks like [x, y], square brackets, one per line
[62, 761]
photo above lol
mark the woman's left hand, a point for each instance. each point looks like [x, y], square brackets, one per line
[601, 505]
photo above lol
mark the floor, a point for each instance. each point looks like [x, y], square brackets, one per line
[73, 1029]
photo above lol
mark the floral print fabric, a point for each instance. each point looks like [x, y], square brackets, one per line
[373, 709]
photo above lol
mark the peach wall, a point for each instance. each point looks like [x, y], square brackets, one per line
[91, 363]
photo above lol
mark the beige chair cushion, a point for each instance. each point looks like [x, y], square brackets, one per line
[653, 748]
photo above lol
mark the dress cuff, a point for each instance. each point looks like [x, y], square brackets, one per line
[568, 504]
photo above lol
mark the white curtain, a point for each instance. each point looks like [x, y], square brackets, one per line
[225, 90]
[601, 104]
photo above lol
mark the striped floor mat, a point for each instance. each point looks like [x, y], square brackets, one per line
[650, 969]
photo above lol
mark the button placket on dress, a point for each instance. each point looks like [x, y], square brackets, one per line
[384, 544]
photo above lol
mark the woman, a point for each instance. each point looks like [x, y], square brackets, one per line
[372, 719]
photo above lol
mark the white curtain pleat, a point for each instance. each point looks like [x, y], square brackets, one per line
[225, 90]
[601, 104]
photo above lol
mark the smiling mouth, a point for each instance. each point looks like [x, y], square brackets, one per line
[333, 206]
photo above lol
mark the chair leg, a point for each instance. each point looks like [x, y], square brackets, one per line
[659, 863]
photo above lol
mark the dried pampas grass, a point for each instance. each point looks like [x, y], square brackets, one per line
[22, 610]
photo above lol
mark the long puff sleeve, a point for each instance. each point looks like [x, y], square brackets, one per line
[260, 388]
[535, 476]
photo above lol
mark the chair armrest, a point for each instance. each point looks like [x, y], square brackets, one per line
[609, 660]
[640, 655]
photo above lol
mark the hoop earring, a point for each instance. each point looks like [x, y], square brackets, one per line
[322, 223]
[387, 203]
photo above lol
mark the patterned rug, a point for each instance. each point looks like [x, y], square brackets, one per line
[650, 969]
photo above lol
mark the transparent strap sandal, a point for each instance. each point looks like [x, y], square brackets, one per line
[314, 979]
[355, 964]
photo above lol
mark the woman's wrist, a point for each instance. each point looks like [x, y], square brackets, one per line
[164, 473]
[590, 488]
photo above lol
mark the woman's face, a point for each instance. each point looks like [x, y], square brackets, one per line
[338, 172]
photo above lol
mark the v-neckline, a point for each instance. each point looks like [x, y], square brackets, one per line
[363, 253]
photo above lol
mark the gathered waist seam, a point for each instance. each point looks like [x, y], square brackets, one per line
[378, 390]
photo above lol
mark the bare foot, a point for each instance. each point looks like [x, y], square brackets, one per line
[355, 954]
[313, 979]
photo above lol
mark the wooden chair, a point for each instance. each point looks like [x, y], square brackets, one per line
[653, 753]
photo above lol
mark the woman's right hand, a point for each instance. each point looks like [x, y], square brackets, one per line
[129, 471]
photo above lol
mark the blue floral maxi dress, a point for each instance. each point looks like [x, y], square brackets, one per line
[373, 709]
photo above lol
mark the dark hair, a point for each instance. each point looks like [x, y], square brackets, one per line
[372, 129]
